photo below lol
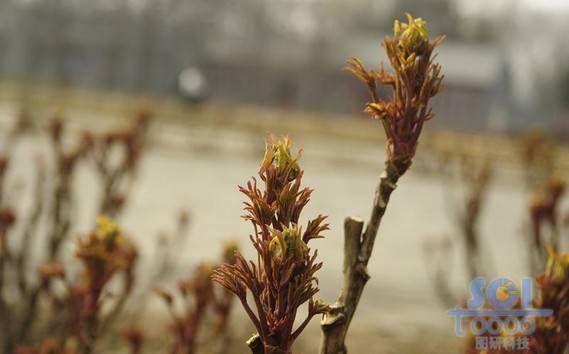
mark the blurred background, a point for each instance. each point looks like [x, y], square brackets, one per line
[505, 61]
[219, 75]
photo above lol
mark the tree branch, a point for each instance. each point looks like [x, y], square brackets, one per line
[358, 249]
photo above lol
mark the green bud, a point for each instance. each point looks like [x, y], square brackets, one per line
[278, 154]
[288, 243]
[413, 36]
[229, 249]
[557, 265]
[108, 231]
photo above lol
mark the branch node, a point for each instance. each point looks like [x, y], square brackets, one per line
[333, 319]
[361, 269]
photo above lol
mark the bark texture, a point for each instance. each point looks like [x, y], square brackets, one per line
[358, 248]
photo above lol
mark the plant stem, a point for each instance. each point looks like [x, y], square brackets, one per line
[358, 248]
[87, 343]
[7, 344]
